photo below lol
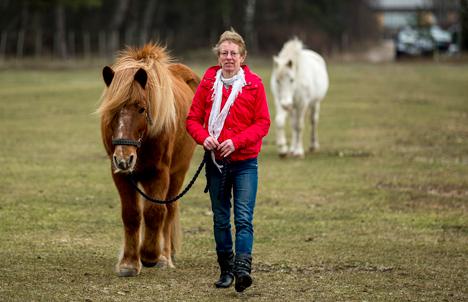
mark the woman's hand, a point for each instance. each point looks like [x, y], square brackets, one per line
[210, 143]
[226, 148]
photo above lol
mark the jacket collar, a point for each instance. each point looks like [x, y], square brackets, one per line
[211, 73]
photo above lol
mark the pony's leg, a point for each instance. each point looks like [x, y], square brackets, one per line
[297, 127]
[171, 233]
[280, 120]
[154, 216]
[171, 228]
[150, 250]
[314, 118]
[129, 262]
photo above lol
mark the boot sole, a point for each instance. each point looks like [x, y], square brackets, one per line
[226, 284]
[222, 285]
[243, 282]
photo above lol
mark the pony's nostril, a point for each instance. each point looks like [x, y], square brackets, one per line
[119, 163]
[122, 165]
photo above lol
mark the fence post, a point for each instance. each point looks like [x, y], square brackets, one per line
[20, 44]
[38, 43]
[114, 43]
[86, 45]
[71, 44]
[128, 37]
[102, 44]
[3, 42]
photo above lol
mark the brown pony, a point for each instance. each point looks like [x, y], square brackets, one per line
[143, 110]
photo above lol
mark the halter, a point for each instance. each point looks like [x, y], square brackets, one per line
[126, 142]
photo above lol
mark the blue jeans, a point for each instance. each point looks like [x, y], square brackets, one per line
[241, 182]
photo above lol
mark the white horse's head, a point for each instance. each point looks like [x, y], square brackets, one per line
[283, 81]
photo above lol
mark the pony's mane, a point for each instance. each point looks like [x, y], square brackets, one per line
[291, 49]
[155, 61]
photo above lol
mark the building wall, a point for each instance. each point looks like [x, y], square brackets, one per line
[396, 14]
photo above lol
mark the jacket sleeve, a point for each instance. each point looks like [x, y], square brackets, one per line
[259, 128]
[196, 117]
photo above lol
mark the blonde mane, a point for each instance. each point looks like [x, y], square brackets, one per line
[123, 89]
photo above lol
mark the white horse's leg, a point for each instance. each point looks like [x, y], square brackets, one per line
[314, 119]
[297, 122]
[292, 121]
[280, 120]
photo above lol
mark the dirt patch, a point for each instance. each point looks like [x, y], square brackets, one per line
[431, 196]
[321, 268]
[450, 191]
[350, 153]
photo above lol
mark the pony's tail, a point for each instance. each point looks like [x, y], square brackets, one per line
[176, 239]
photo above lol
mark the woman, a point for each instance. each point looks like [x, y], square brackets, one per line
[229, 117]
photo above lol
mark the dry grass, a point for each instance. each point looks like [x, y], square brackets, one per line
[379, 214]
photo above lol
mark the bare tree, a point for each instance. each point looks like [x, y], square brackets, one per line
[116, 23]
[148, 17]
[464, 24]
[249, 24]
[60, 40]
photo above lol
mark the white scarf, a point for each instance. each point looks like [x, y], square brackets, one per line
[218, 116]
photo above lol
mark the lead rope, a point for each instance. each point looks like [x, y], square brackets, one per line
[170, 200]
[224, 187]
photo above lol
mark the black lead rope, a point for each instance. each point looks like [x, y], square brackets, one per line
[224, 186]
[171, 200]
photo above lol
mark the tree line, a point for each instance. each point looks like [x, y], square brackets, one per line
[68, 28]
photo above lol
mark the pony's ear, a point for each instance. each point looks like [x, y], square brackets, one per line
[141, 77]
[108, 75]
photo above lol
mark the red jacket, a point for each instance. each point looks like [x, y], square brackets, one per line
[248, 120]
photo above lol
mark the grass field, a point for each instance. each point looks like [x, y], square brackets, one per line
[380, 213]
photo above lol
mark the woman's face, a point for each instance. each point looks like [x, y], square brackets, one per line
[229, 58]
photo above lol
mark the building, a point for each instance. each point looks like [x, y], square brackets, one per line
[393, 15]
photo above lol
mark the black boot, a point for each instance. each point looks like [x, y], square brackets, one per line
[226, 264]
[242, 268]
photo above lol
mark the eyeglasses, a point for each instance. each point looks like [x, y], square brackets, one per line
[227, 53]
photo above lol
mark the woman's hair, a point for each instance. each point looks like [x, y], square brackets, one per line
[232, 36]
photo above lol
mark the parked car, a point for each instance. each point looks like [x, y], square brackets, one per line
[442, 38]
[422, 41]
[413, 42]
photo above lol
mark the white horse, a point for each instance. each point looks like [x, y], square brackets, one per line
[299, 80]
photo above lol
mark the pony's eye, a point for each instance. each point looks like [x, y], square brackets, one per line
[141, 110]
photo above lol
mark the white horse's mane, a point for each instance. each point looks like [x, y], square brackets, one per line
[291, 49]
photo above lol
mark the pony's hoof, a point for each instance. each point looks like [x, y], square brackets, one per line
[165, 263]
[162, 263]
[127, 272]
[282, 155]
[148, 263]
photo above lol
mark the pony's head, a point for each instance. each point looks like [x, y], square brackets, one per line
[130, 123]
[137, 103]
[284, 73]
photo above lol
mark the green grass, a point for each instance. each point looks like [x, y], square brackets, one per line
[380, 213]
